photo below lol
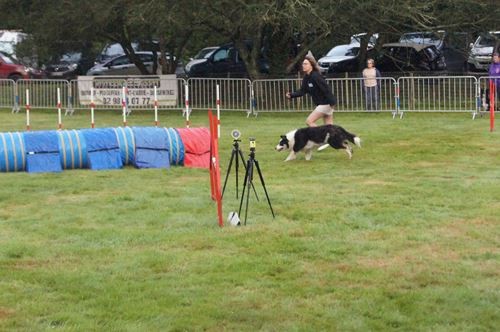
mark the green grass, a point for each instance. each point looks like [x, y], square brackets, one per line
[405, 236]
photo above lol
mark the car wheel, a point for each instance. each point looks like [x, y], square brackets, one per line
[15, 77]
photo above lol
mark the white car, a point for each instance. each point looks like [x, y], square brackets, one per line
[340, 59]
[121, 65]
[482, 49]
[356, 39]
[425, 38]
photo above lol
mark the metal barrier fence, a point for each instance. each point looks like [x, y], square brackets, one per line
[483, 99]
[234, 93]
[350, 93]
[437, 94]
[407, 94]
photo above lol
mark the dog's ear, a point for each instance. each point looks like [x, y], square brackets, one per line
[283, 136]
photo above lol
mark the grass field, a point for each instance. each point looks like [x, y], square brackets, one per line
[405, 236]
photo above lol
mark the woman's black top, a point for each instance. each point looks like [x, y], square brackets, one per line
[315, 85]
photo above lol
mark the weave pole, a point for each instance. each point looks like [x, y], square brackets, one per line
[28, 126]
[186, 103]
[92, 106]
[124, 105]
[492, 104]
[218, 110]
[156, 106]
[59, 120]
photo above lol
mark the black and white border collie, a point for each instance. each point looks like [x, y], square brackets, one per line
[311, 137]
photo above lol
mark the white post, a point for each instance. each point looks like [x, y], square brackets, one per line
[59, 121]
[218, 111]
[92, 105]
[124, 106]
[28, 110]
[156, 106]
[186, 99]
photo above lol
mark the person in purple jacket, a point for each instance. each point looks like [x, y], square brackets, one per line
[316, 86]
[495, 72]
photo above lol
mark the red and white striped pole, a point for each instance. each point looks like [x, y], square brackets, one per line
[124, 105]
[28, 127]
[59, 119]
[186, 102]
[92, 106]
[218, 111]
[156, 106]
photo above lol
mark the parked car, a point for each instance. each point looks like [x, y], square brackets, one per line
[121, 65]
[410, 57]
[220, 61]
[111, 51]
[425, 38]
[68, 66]
[481, 50]
[340, 59]
[9, 39]
[12, 69]
[356, 39]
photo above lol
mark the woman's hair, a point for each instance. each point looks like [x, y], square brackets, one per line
[312, 61]
[370, 60]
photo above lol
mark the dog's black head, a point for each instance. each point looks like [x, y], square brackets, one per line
[284, 143]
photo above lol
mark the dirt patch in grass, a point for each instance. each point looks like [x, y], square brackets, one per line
[5, 313]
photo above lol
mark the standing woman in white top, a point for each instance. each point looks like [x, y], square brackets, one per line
[370, 75]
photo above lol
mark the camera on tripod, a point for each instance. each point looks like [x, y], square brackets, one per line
[252, 143]
[235, 134]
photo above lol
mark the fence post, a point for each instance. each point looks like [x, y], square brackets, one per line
[15, 108]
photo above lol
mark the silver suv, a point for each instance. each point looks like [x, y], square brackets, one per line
[482, 49]
[121, 65]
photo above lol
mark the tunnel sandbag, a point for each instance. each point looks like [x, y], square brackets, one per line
[12, 152]
[175, 147]
[42, 152]
[196, 147]
[151, 147]
[103, 151]
[126, 143]
[73, 149]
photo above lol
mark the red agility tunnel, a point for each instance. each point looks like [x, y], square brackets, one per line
[196, 147]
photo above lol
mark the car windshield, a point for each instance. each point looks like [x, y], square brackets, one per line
[419, 36]
[343, 51]
[7, 59]
[205, 53]
[71, 57]
[488, 40]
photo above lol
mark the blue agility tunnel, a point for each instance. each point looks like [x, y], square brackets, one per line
[97, 149]
[73, 149]
[12, 152]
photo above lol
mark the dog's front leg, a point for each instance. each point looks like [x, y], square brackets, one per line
[308, 153]
[291, 156]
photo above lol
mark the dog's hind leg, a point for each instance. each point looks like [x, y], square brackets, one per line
[291, 156]
[308, 153]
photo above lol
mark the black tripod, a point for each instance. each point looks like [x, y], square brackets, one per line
[248, 182]
[234, 157]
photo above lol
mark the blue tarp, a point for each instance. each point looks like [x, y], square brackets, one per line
[42, 152]
[12, 155]
[73, 149]
[102, 148]
[151, 147]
